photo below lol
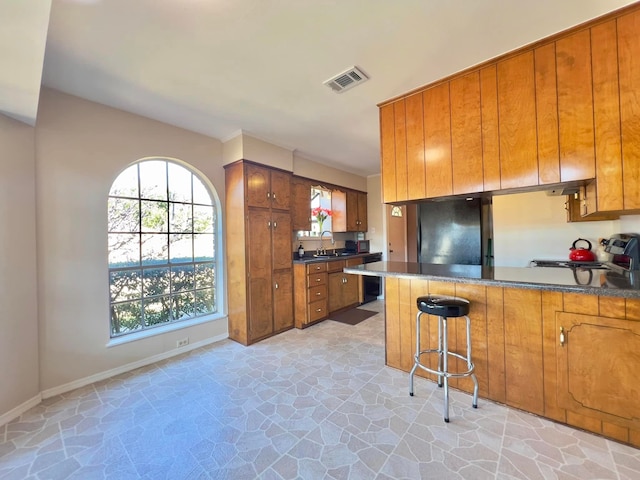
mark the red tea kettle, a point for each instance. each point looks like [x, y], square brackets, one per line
[581, 254]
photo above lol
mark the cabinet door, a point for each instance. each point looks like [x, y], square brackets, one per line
[259, 271]
[352, 211]
[388, 153]
[350, 294]
[300, 204]
[547, 114]
[336, 288]
[490, 137]
[575, 107]
[415, 148]
[629, 64]
[400, 128]
[258, 186]
[517, 110]
[437, 141]
[280, 190]
[282, 300]
[599, 382]
[606, 115]
[466, 134]
[281, 235]
[363, 224]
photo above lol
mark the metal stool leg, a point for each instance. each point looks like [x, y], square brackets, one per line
[440, 354]
[445, 364]
[416, 358]
[470, 364]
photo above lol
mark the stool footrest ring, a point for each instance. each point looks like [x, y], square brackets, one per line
[471, 366]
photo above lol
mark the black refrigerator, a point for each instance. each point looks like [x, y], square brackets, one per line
[455, 231]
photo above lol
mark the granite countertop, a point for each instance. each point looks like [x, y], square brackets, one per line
[602, 282]
[309, 258]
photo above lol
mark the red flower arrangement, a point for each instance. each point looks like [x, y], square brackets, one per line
[321, 214]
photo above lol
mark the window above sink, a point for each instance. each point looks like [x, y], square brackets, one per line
[320, 213]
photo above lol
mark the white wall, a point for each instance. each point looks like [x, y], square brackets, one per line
[376, 215]
[19, 381]
[81, 147]
[246, 147]
[310, 169]
[534, 225]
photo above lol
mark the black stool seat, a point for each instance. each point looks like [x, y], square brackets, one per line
[443, 306]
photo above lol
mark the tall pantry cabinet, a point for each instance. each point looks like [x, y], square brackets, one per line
[259, 251]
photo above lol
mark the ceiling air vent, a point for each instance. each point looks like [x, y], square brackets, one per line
[346, 80]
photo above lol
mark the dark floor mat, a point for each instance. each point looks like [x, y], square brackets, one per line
[352, 317]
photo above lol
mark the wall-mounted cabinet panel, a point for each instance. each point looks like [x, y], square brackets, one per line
[606, 113]
[300, 204]
[415, 148]
[575, 107]
[547, 114]
[629, 69]
[517, 110]
[490, 137]
[400, 124]
[466, 134]
[388, 153]
[437, 141]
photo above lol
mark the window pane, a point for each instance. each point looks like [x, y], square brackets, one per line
[126, 185]
[125, 285]
[156, 311]
[182, 278]
[155, 216]
[181, 248]
[204, 247]
[203, 219]
[124, 215]
[153, 180]
[126, 317]
[205, 275]
[179, 183]
[156, 281]
[124, 250]
[200, 192]
[205, 301]
[180, 218]
[155, 248]
[183, 305]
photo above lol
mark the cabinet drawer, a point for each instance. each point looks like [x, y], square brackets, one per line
[317, 292]
[317, 310]
[317, 279]
[316, 268]
[335, 266]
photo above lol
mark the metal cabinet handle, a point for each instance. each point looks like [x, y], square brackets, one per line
[276, 285]
[318, 267]
[318, 279]
[318, 294]
[563, 338]
[275, 224]
[268, 194]
[318, 309]
[268, 224]
[273, 195]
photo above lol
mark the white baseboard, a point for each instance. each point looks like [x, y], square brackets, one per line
[67, 387]
[20, 409]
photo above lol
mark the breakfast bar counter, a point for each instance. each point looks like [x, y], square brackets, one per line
[610, 282]
[557, 342]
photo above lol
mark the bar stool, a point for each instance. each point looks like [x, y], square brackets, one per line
[444, 307]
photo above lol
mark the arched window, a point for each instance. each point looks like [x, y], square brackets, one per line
[163, 243]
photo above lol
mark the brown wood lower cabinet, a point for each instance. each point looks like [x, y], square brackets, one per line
[310, 293]
[550, 353]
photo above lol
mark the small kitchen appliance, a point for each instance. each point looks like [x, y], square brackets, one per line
[357, 246]
[625, 249]
[580, 254]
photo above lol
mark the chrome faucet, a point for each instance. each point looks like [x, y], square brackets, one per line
[323, 250]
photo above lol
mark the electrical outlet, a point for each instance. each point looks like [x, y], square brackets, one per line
[182, 343]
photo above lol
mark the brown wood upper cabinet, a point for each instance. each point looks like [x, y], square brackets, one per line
[565, 109]
[300, 204]
[268, 188]
[349, 211]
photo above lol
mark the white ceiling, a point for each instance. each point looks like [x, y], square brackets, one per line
[221, 67]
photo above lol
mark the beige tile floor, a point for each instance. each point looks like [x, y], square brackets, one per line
[311, 404]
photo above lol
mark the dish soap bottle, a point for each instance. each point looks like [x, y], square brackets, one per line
[300, 251]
